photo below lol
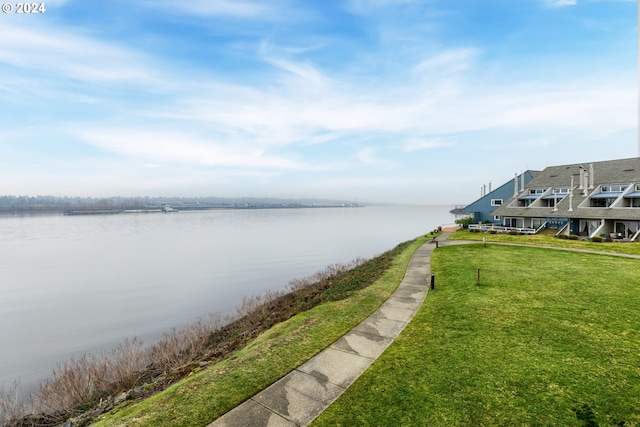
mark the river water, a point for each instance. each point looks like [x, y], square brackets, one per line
[73, 284]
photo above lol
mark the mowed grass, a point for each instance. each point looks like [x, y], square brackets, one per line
[210, 393]
[548, 338]
[631, 248]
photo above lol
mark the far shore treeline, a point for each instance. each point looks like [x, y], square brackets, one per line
[53, 204]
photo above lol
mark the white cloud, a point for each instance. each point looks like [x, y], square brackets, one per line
[368, 157]
[297, 102]
[309, 75]
[241, 9]
[560, 3]
[366, 6]
[448, 60]
[416, 144]
[182, 147]
[294, 114]
[57, 53]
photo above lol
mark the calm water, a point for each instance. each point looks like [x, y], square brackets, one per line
[70, 284]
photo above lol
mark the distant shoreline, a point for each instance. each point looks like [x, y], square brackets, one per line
[163, 209]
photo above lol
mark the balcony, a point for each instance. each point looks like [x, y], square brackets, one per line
[505, 230]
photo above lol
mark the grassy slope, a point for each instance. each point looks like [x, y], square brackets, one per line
[548, 338]
[204, 396]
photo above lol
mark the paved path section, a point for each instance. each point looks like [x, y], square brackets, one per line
[299, 397]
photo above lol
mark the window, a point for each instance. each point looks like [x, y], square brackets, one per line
[496, 217]
[601, 203]
[560, 190]
[613, 188]
[496, 202]
[536, 190]
[513, 222]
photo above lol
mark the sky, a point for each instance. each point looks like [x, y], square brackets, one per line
[374, 101]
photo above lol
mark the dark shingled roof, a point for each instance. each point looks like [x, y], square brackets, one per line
[611, 172]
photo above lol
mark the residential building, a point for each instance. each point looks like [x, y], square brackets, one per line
[482, 209]
[589, 199]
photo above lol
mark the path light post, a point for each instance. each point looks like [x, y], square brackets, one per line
[478, 280]
[433, 281]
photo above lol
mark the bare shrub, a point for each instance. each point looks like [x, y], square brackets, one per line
[256, 310]
[126, 364]
[183, 346]
[257, 305]
[84, 380]
[167, 353]
[321, 278]
[72, 383]
[12, 405]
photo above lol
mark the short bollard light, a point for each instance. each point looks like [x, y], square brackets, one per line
[433, 281]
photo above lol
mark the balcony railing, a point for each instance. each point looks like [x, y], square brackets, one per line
[505, 230]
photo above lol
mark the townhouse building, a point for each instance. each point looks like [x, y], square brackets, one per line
[592, 199]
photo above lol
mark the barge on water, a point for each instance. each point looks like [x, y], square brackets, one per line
[165, 209]
[94, 212]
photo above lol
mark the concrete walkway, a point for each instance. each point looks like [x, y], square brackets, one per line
[299, 397]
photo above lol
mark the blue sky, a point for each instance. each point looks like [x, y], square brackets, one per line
[375, 100]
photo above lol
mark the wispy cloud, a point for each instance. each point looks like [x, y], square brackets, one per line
[248, 126]
[370, 156]
[233, 8]
[366, 6]
[560, 3]
[308, 75]
[59, 54]
[448, 61]
[283, 12]
[185, 148]
[416, 144]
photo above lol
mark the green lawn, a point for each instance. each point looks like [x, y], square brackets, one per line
[548, 338]
[550, 241]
